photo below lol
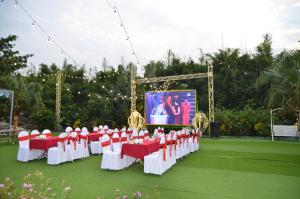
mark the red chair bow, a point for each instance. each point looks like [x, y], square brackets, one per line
[74, 139]
[63, 141]
[23, 138]
[135, 137]
[123, 139]
[163, 146]
[104, 144]
[47, 134]
[115, 140]
[84, 138]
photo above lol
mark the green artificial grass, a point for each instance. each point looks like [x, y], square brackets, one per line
[222, 168]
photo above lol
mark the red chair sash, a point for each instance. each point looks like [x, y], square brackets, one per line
[33, 136]
[74, 139]
[104, 144]
[85, 138]
[115, 140]
[129, 132]
[163, 146]
[135, 137]
[63, 141]
[123, 139]
[146, 135]
[23, 138]
[47, 134]
[95, 131]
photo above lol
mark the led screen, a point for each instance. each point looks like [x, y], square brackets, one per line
[170, 107]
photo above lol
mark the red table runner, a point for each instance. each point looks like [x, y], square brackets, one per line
[139, 150]
[43, 143]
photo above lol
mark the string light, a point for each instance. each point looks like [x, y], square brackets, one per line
[116, 10]
[35, 23]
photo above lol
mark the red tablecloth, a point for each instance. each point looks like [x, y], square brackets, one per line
[93, 137]
[140, 150]
[43, 143]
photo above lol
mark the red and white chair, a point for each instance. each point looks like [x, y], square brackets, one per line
[170, 156]
[95, 144]
[128, 160]
[35, 153]
[110, 159]
[83, 143]
[192, 143]
[179, 147]
[105, 128]
[116, 142]
[78, 130]
[47, 133]
[146, 134]
[58, 154]
[155, 163]
[141, 134]
[135, 134]
[23, 152]
[197, 139]
[100, 127]
[69, 130]
[72, 147]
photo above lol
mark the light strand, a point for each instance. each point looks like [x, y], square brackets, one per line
[49, 38]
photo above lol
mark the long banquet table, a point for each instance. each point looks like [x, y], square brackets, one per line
[139, 151]
[43, 143]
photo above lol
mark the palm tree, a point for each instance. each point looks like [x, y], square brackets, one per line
[283, 80]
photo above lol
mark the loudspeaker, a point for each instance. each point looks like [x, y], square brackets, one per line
[215, 129]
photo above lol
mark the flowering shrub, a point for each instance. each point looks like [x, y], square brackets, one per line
[35, 185]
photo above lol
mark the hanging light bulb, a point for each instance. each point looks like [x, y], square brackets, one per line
[62, 52]
[89, 95]
[48, 40]
[16, 4]
[33, 23]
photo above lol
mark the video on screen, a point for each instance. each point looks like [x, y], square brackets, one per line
[170, 107]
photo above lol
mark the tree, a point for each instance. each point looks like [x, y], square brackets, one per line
[11, 60]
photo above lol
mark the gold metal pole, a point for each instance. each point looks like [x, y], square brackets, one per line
[58, 99]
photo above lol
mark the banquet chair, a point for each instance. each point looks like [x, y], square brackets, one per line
[123, 129]
[192, 143]
[174, 148]
[129, 160]
[58, 154]
[47, 133]
[110, 159]
[135, 134]
[84, 129]
[141, 134]
[24, 151]
[155, 163]
[95, 144]
[179, 152]
[146, 134]
[72, 147]
[78, 130]
[69, 130]
[116, 142]
[184, 148]
[35, 153]
[170, 156]
[129, 133]
[105, 128]
[83, 143]
[197, 139]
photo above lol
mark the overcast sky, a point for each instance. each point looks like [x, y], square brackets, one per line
[89, 30]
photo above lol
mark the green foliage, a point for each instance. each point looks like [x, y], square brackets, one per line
[244, 122]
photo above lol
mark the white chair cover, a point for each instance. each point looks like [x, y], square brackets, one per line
[72, 147]
[69, 130]
[23, 152]
[83, 144]
[95, 144]
[35, 153]
[155, 163]
[78, 130]
[57, 155]
[47, 133]
[116, 142]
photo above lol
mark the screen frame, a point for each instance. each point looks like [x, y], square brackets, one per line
[169, 91]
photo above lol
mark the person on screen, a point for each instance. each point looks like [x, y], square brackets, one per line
[170, 109]
[160, 108]
[177, 109]
[186, 109]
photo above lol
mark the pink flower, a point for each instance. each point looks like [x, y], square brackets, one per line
[2, 186]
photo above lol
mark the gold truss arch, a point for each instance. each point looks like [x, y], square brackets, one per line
[208, 75]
